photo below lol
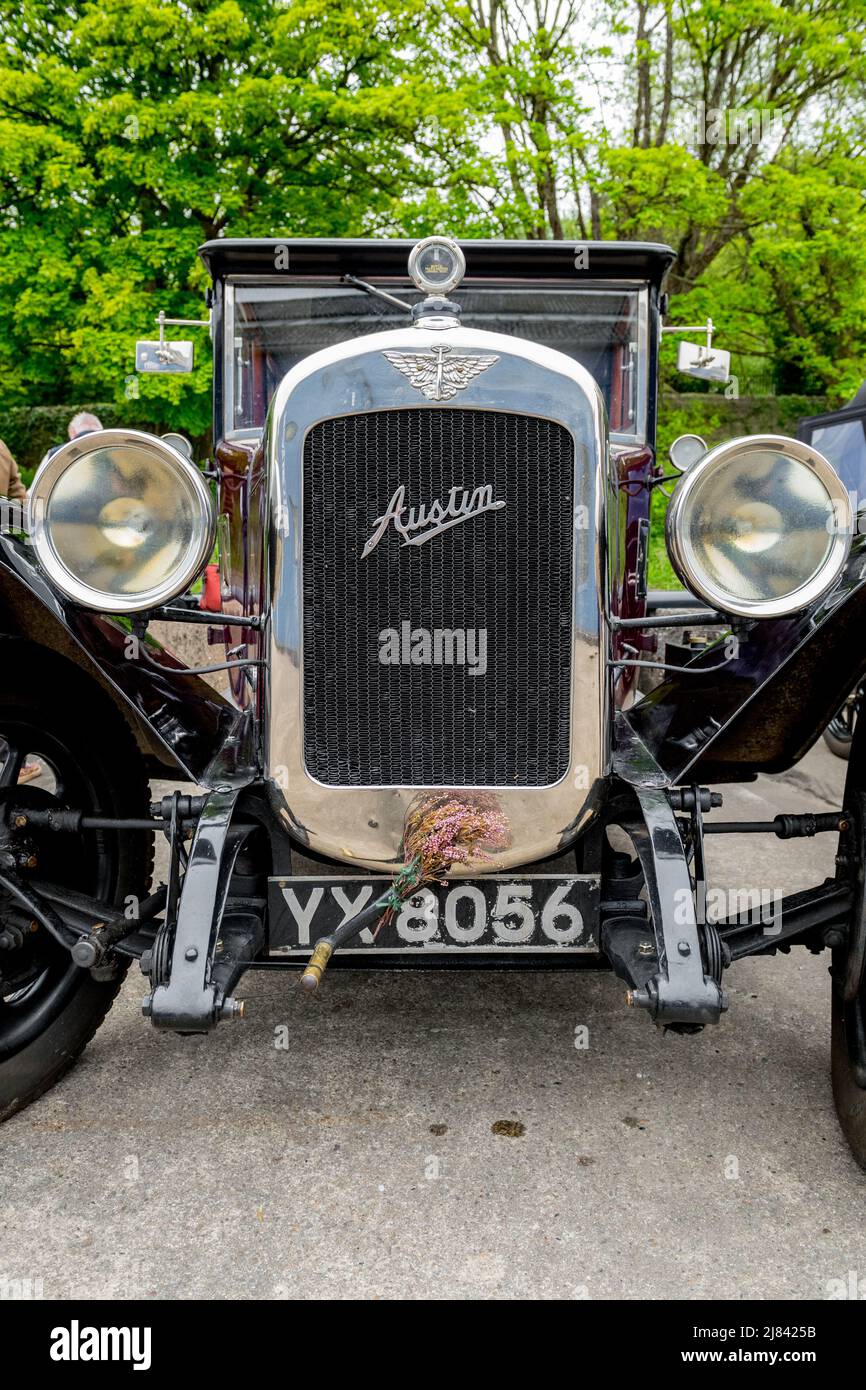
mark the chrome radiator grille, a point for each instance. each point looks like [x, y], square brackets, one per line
[506, 572]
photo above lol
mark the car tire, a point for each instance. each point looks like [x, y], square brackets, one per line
[848, 1071]
[837, 742]
[87, 751]
[848, 976]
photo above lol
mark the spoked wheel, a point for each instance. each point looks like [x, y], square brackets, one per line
[848, 1042]
[49, 1007]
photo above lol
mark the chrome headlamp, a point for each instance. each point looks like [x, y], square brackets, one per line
[760, 527]
[121, 521]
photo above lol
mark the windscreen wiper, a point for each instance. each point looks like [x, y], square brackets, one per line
[379, 294]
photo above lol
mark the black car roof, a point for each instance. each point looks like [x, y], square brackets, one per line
[604, 260]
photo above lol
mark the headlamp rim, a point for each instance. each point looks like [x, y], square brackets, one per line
[825, 576]
[48, 475]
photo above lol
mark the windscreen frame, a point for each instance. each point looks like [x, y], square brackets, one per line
[402, 286]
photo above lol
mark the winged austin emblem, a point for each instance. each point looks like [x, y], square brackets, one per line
[437, 375]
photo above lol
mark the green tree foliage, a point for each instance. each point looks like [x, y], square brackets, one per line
[133, 130]
[732, 131]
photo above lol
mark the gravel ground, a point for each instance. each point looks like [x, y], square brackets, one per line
[361, 1159]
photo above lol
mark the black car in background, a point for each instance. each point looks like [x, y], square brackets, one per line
[841, 437]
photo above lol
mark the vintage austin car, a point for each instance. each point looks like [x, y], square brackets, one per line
[433, 492]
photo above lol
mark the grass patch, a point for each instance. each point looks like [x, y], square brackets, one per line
[661, 573]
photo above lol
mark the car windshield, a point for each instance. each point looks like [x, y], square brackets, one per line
[271, 327]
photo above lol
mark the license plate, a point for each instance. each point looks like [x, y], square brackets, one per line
[544, 912]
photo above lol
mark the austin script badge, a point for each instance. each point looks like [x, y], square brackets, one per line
[431, 519]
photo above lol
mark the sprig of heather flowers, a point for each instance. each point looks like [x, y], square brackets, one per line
[442, 830]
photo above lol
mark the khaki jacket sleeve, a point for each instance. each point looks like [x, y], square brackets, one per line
[11, 484]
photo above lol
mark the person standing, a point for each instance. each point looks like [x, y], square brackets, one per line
[11, 482]
[82, 423]
[12, 487]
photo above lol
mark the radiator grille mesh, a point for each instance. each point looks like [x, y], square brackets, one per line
[506, 572]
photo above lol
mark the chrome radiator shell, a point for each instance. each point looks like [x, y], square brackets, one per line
[364, 824]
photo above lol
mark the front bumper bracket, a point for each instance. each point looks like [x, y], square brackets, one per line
[680, 991]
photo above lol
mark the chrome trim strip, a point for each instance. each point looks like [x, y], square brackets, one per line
[364, 825]
[228, 430]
